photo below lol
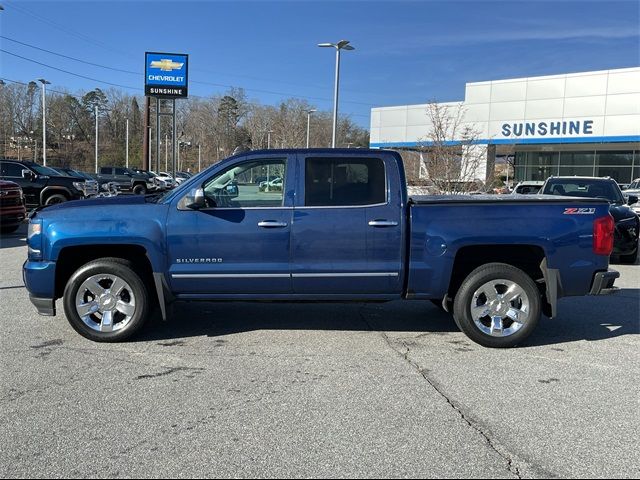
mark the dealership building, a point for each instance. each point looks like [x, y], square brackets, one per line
[574, 124]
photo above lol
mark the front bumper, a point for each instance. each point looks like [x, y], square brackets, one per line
[603, 282]
[45, 306]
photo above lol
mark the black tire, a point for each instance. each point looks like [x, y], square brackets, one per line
[10, 229]
[140, 189]
[110, 266]
[477, 278]
[55, 198]
[629, 258]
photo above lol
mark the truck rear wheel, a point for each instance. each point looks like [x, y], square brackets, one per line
[106, 301]
[497, 305]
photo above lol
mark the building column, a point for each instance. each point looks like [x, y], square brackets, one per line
[478, 162]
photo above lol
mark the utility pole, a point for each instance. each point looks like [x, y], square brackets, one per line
[199, 160]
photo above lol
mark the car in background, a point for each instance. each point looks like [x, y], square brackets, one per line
[167, 178]
[274, 185]
[41, 186]
[627, 223]
[182, 176]
[92, 187]
[264, 178]
[126, 179]
[159, 185]
[12, 208]
[528, 187]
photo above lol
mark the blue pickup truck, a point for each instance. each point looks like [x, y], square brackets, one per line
[338, 227]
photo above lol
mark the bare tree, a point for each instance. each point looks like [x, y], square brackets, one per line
[454, 160]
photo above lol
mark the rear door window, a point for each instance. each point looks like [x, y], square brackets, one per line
[335, 182]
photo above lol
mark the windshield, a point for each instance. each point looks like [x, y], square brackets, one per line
[44, 170]
[584, 188]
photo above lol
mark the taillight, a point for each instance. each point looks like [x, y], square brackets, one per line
[603, 235]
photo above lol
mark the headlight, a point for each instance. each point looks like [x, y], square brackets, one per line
[34, 239]
[79, 186]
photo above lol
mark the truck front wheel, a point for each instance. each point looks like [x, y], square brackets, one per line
[106, 301]
[497, 305]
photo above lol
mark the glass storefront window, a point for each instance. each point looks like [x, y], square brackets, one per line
[619, 174]
[576, 158]
[618, 159]
[619, 165]
[576, 171]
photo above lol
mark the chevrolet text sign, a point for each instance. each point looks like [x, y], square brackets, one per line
[165, 74]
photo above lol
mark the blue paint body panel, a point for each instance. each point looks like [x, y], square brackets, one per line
[318, 253]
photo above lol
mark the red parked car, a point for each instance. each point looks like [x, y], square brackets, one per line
[12, 209]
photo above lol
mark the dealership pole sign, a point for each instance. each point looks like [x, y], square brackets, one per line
[166, 75]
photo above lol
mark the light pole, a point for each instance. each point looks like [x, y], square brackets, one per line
[199, 159]
[166, 152]
[96, 113]
[44, 120]
[127, 143]
[341, 45]
[269, 139]
[309, 112]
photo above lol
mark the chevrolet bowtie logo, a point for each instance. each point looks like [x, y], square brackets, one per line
[166, 65]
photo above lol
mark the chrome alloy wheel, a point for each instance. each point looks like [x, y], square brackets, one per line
[500, 308]
[105, 303]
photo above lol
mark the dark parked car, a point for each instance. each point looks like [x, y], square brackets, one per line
[92, 186]
[12, 209]
[625, 244]
[41, 185]
[127, 179]
[158, 184]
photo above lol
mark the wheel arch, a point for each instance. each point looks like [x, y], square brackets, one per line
[531, 259]
[70, 258]
[48, 191]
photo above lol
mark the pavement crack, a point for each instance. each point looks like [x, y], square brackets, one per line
[404, 354]
[169, 371]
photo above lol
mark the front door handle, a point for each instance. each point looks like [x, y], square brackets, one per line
[382, 223]
[272, 224]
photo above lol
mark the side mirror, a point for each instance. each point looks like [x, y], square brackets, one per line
[195, 199]
[632, 199]
[26, 173]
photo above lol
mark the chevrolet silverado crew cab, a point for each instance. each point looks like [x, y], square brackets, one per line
[339, 228]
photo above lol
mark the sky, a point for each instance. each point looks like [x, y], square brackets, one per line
[405, 52]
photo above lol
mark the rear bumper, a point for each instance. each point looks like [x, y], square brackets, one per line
[603, 282]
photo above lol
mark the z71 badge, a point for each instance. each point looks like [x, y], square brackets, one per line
[579, 211]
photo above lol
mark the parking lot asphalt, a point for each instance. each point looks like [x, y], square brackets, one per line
[326, 390]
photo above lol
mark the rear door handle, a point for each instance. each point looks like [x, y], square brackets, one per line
[272, 224]
[382, 223]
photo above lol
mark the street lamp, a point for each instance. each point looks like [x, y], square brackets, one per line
[309, 112]
[127, 144]
[44, 120]
[341, 45]
[96, 112]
